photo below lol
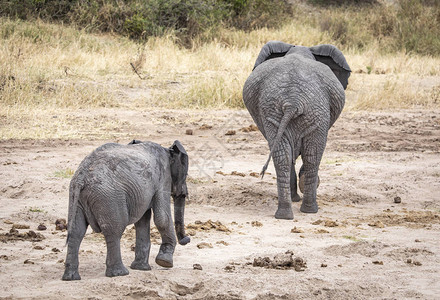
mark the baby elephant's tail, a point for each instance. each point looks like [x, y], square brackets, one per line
[76, 185]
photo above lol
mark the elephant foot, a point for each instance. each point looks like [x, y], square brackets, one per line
[285, 213]
[71, 274]
[185, 240]
[116, 270]
[140, 265]
[296, 198]
[165, 256]
[309, 208]
[164, 260]
[302, 183]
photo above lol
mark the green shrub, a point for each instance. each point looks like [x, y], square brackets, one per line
[140, 19]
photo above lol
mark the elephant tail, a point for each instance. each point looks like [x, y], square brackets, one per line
[76, 186]
[289, 114]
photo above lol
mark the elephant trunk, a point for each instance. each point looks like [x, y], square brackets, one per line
[179, 211]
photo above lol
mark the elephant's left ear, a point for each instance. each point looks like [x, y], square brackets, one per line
[334, 59]
[271, 50]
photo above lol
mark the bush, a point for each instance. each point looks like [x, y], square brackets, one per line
[412, 26]
[140, 19]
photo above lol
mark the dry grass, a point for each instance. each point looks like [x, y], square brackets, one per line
[50, 70]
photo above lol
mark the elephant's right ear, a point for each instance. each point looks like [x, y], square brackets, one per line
[271, 50]
[133, 142]
[334, 59]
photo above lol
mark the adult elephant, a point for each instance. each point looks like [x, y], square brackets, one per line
[295, 94]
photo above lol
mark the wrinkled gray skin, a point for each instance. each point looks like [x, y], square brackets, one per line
[117, 185]
[295, 94]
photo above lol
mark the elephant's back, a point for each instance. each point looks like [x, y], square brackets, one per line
[120, 173]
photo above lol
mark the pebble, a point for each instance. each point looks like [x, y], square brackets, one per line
[397, 199]
[197, 267]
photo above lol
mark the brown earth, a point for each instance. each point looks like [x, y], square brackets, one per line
[360, 245]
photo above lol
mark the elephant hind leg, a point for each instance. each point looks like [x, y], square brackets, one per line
[314, 147]
[294, 185]
[282, 160]
[73, 242]
[143, 243]
[112, 221]
[114, 265]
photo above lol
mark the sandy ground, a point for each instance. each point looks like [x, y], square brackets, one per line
[360, 245]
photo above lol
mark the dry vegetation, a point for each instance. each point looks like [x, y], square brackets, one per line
[50, 74]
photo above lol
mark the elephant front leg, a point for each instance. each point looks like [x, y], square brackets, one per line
[282, 162]
[73, 242]
[143, 243]
[164, 223]
[294, 185]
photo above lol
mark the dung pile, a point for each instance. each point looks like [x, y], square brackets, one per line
[207, 226]
[15, 235]
[282, 261]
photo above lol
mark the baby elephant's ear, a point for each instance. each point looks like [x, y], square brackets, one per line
[177, 149]
[135, 142]
[334, 59]
[271, 50]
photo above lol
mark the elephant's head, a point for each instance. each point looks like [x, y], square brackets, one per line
[179, 190]
[326, 54]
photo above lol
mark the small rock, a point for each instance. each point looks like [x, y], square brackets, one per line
[417, 241]
[417, 263]
[296, 230]
[254, 174]
[397, 199]
[189, 132]
[378, 262]
[28, 261]
[204, 245]
[197, 267]
[20, 226]
[409, 261]
[55, 250]
[205, 126]
[235, 173]
[8, 222]
[222, 243]
[60, 261]
[61, 224]
[317, 222]
[4, 257]
[250, 128]
[41, 227]
[38, 247]
[230, 132]
[330, 223]
[323, 265]
[256, 224]
[229, 268]
[377, 224]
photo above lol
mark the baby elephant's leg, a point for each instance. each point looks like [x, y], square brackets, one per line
[143, 243]
[114, 264]
[164, 223]
[74, 240]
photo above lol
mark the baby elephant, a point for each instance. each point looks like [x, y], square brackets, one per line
[117, 185]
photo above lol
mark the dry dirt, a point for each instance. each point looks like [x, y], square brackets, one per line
[360, 245]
